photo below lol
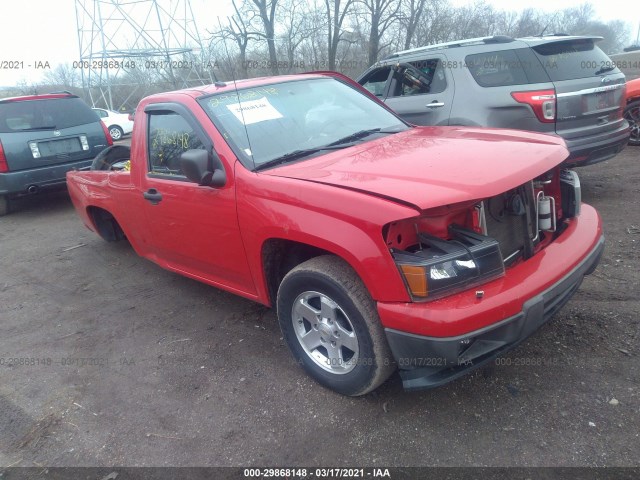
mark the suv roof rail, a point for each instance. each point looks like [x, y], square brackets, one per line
[456, 43]
[60, 92]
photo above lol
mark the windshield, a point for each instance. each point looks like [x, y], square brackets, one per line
[297, 115]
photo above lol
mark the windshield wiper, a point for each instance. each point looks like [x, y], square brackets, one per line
[295, 155]
[338, 144]
[33, 129]
[605, 70]
[361, 134]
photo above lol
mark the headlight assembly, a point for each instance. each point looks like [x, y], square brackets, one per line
[442, 267]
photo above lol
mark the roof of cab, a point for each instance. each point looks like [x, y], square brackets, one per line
[233, 85]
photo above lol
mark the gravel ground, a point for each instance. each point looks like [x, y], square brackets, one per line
[132, 365]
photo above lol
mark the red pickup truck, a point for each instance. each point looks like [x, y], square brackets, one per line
[384, 246]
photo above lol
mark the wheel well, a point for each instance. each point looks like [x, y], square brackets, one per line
[106, 225]
[280, 256]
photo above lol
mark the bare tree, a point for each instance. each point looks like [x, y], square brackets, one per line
[239, 30]
[25, 88]
[64, 75]
[314, 50]
[382, 14]
[336, 12]
[298, 23]
[411, 17]
[435, 27]
[573, 19]
[316, 34]
[267, 12]
[531, 22]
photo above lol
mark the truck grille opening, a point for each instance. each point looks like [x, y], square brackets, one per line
[510, 218]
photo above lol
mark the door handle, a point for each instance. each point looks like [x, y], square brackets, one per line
[153, 196]
[435, 104]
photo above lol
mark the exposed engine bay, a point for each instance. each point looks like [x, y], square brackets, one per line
[458, 246]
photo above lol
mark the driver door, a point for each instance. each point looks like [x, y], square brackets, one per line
[192, 229]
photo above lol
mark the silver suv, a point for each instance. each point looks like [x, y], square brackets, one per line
[563, 85]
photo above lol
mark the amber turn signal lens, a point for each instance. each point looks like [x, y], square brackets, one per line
[416, 279]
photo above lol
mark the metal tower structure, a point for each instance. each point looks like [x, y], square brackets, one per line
[155, 44]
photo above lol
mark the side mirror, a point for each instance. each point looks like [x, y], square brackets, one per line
[197, 165]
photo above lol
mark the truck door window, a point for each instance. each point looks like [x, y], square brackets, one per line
[169, 137]
[377, 80]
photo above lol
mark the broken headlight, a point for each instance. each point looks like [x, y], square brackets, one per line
[438, 267]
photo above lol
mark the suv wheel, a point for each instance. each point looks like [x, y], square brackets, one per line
[331, 325]
[632, 114]
[115, 132]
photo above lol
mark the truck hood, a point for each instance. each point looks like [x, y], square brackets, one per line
[428, 167]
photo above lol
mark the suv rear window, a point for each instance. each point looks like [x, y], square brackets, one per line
[51, 113]
[506, 67]
[571, 59]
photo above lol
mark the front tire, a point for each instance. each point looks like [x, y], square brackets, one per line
[632, 114]
[332, 328]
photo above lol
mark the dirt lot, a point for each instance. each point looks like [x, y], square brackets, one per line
[131, 365]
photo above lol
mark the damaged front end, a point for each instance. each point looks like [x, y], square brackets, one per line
[457, 247]
[478, 279]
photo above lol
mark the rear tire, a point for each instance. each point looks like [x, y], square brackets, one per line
[4, 205]
[632, 114]
[332, 328]
[106, 225]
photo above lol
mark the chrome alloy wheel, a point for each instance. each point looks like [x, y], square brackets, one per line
[325, 332]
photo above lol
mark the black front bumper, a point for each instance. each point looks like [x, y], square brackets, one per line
[427, 362]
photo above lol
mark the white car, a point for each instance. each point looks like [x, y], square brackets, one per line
[118, 124]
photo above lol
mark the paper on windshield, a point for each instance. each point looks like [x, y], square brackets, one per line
[254, 111]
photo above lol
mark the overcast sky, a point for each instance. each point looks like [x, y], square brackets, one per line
[45, 30]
